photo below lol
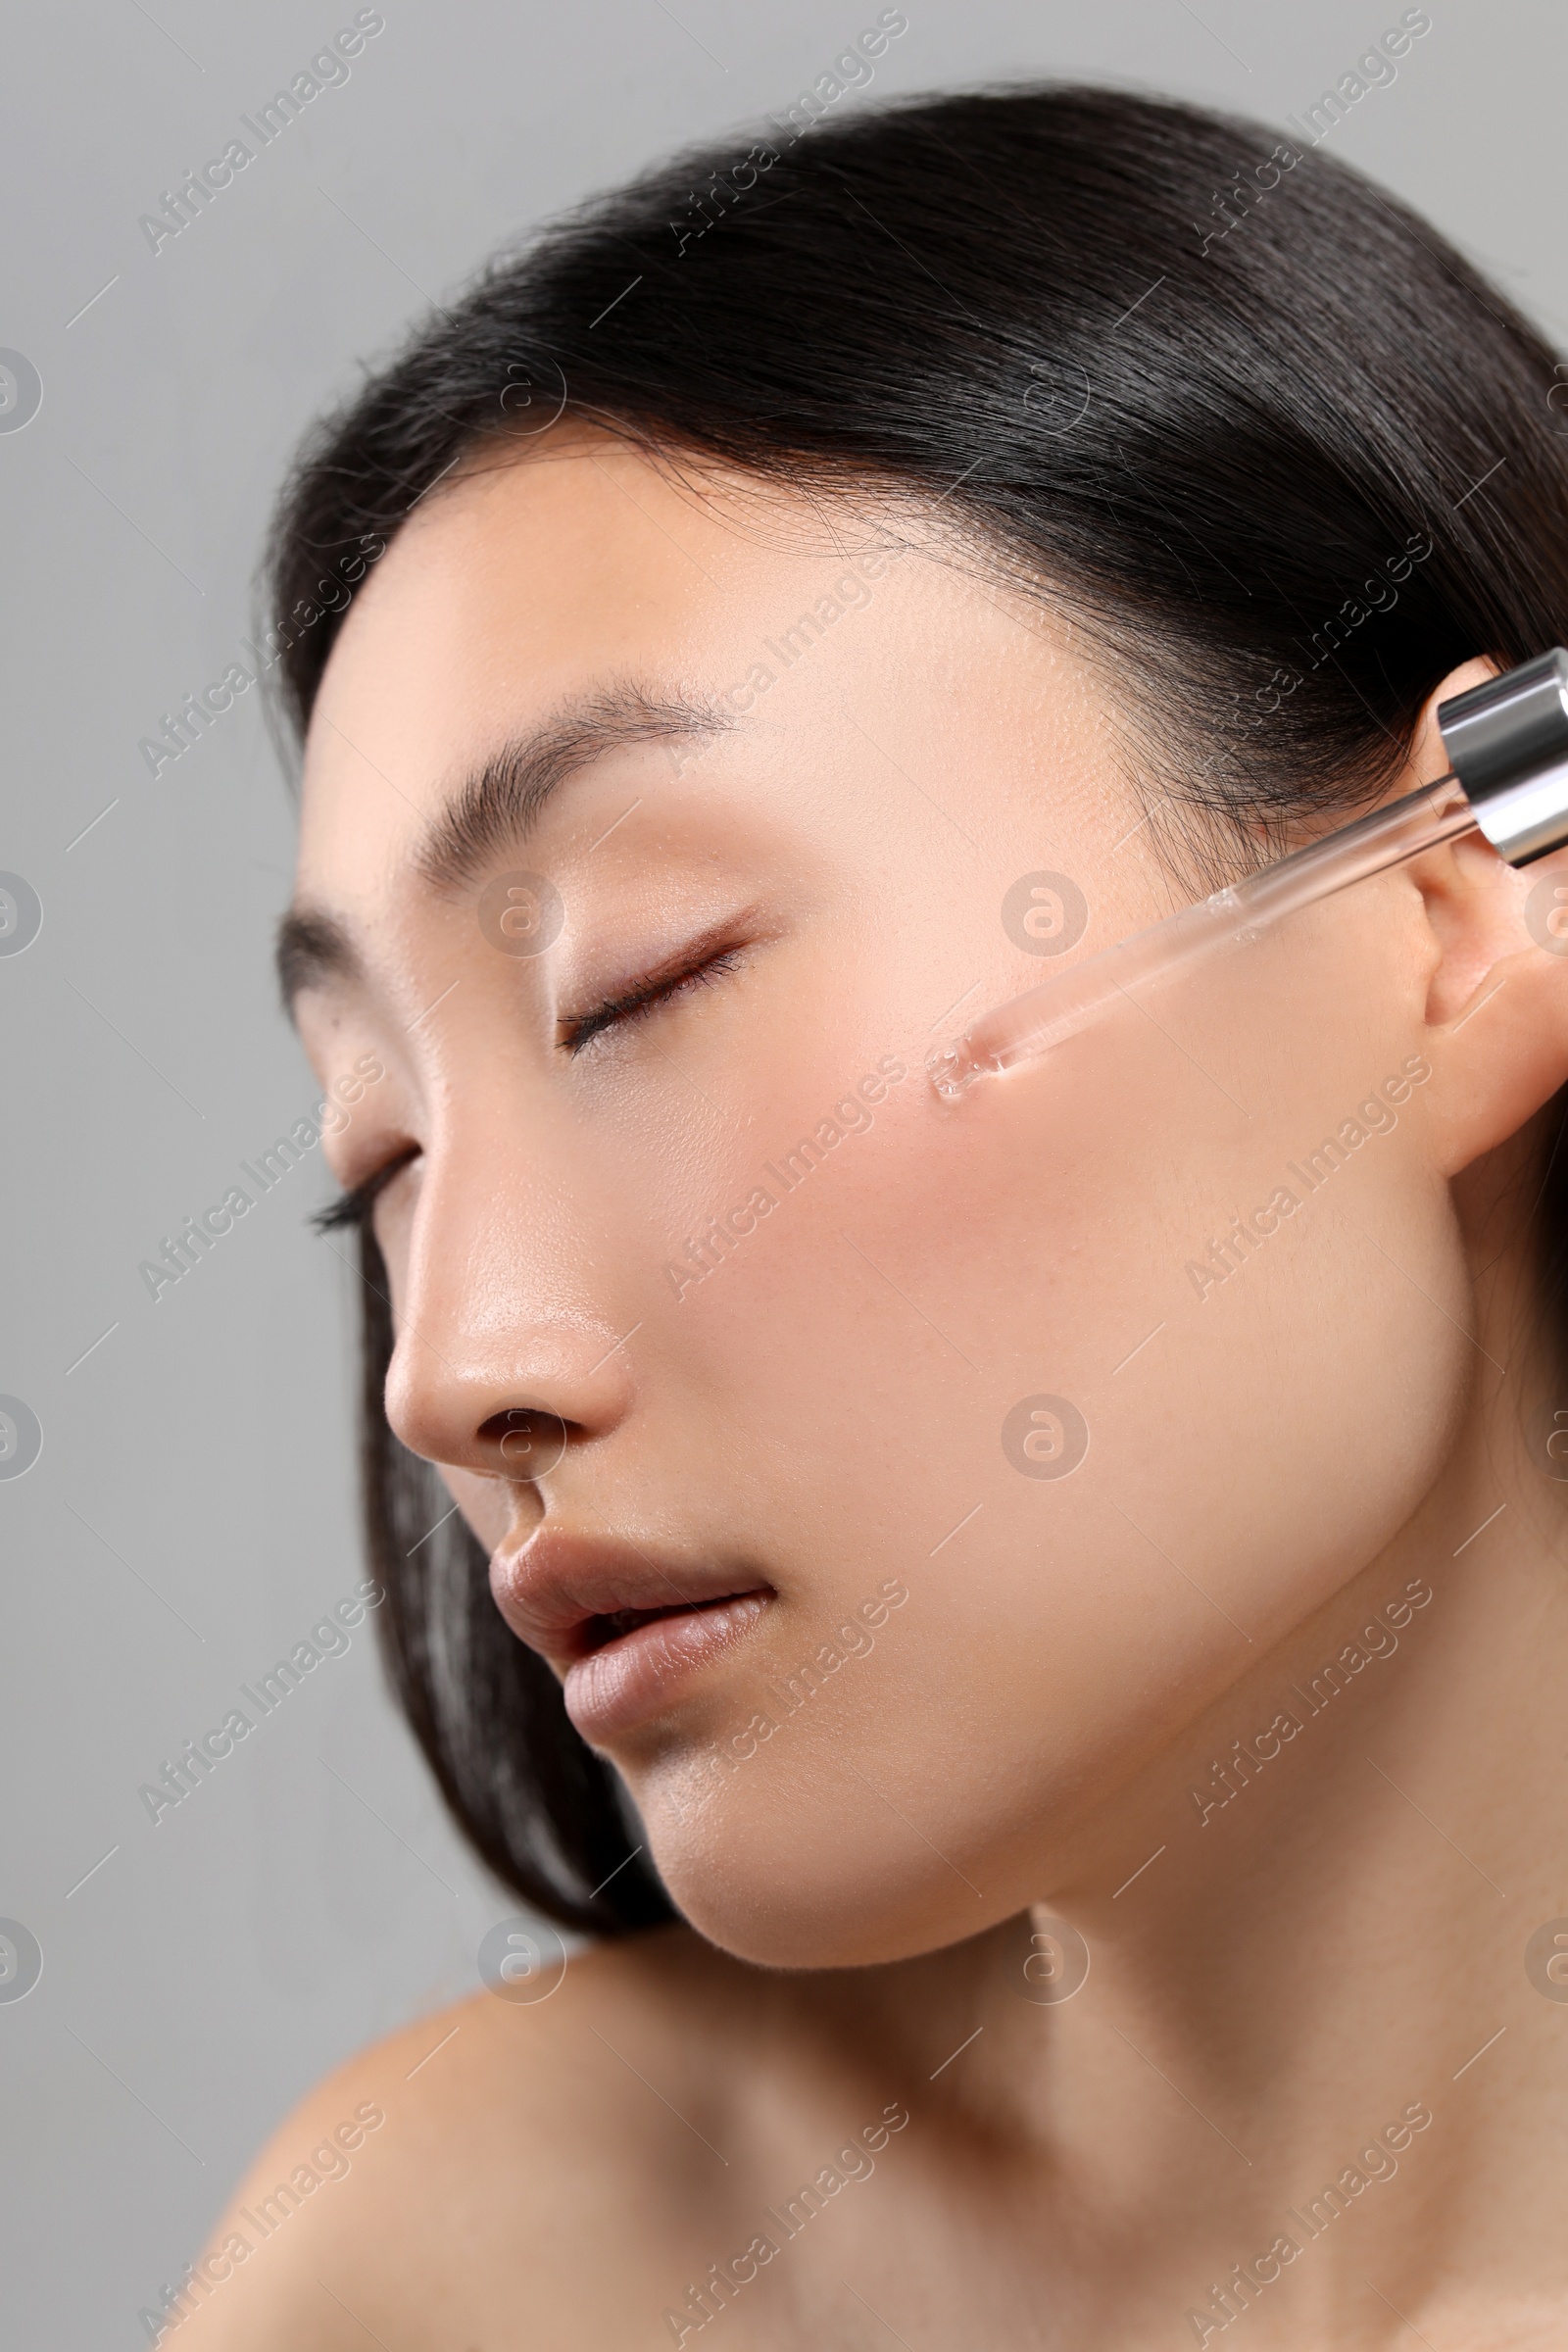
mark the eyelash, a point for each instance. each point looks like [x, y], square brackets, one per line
[351, 1210]
[639, 1001]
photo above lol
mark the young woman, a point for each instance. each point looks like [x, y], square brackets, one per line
[1026, 1635]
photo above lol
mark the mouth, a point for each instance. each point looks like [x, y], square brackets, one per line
[629, 1673]
[626, 1631]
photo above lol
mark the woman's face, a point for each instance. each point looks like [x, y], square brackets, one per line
[661, 837]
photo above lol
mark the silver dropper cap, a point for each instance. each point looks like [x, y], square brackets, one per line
[1508, 744]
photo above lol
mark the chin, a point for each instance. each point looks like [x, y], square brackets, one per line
[791, 1879]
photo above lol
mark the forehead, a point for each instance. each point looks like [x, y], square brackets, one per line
[515, 591]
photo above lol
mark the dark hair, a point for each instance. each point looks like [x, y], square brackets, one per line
[1283, 455]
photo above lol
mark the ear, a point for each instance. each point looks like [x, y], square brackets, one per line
[1496, 1010]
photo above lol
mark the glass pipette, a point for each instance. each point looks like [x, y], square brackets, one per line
[1507, 741]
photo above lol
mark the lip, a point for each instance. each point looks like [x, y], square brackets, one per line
[561, 1593]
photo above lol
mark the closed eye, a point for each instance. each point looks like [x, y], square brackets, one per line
[697, 967]
[351, 1211]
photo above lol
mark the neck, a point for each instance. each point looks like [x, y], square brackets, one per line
[1309, 2019]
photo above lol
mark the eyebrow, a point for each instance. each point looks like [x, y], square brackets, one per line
[497, 806]
[313, 948]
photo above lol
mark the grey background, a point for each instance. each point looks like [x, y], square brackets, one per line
[191, 1516]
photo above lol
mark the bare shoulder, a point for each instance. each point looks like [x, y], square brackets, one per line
[447, 2185]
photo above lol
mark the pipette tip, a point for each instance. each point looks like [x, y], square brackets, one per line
[951, 1070]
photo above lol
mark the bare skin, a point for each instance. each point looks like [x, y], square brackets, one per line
[1320, 1980]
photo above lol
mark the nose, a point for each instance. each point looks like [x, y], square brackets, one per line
[503, 1362]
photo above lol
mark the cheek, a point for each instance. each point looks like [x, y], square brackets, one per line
[970, 1351]
[392, 1223]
